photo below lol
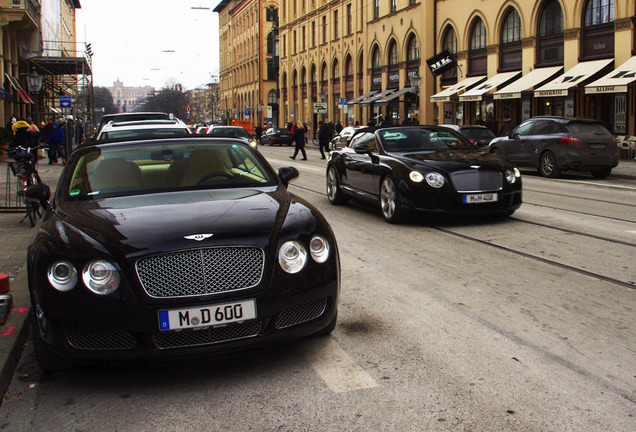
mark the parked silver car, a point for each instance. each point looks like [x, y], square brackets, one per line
[557, 144]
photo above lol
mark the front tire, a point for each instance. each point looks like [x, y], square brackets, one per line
[390, 201]
[548, 165]
[334, 191]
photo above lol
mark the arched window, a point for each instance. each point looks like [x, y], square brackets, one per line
[477, 55]
[284, 84]
[295, 85]
[270, 43]
[313, 79]
[271, 97]
[550, 40]
[376, 69]
[335, 79]
[303, 82]
[597, 35]
[394, 65]
[360, 73]
[449, 42]
[324, 88]
[349, 77]
[413, 49]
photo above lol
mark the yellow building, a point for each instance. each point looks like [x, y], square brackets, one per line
[248, 75]
[352, 60]
[548, 57]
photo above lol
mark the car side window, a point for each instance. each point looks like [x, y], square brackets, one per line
[523, 129]
[372, 143]
[542, 127]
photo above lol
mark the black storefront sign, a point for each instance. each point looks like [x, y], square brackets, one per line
[441, 62]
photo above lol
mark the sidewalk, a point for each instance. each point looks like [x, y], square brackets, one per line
[15, 237]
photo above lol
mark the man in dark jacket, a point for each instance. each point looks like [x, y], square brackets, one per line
[324, 136]
[56, 140]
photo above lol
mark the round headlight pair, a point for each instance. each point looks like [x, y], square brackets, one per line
[100, 277]
[512, 175]
[292, 255]
[433, 179]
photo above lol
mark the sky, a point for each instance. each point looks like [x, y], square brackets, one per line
[151, 42]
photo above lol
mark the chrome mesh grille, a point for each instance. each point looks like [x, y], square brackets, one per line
[477, 181]
[201, 271]
[300, 313]
[100, 339]
[212, 335]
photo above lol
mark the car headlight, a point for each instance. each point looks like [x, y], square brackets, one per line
[62, 276]
[101, 277]
[435, 180]
[319, 249]
[253, 143]
[416, 176]
[512, 175]
[292, 256]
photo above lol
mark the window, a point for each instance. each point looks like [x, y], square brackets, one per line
[393, 5]
[550, 35]
[376, 9]
[324, 29]
[304, 39]
[335, 24]
[313, 34]
[510, 52]
[295, 46]
[413, 50]
[270, 43]
[284, 45]
[597, 34]
[349, 20]
[477, 55]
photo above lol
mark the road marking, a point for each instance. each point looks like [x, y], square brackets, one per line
[631, 231]
[335, 367]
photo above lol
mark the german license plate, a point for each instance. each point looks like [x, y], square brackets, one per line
[480, 198]
[597, 146]
[203, 316]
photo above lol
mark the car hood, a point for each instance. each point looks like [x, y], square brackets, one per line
[170, 221]
[455, 160]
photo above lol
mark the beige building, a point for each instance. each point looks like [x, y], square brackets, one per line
[356, 59]
[548, 57]
[127, 99]
[248, 75]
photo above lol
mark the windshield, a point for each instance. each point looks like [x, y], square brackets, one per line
[149, 168]
[421, 139]
[135, 133]
[238, 132]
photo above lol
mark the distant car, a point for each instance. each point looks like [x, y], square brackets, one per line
[557, 144]
[142, 128]
[340, 140]
[132, 116]
[176, 248]
[478, 135]
[232, 132]
[428, 169]
[277, 136]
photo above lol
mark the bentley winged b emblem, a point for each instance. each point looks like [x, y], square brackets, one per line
[198, 237]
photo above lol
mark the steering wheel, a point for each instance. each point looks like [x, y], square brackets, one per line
[215, 174]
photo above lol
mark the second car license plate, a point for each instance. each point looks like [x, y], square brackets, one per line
[480, 198]
[224, 313]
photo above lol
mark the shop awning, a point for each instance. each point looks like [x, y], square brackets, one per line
[385, 100]
[374, 98]
[579, 73]
[445, 95]
[478, 92]
[527, 82]
[361, 98]
[615, 81]
[18, 88]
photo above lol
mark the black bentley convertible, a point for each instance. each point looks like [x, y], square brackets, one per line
[176, 247]
[422, 169]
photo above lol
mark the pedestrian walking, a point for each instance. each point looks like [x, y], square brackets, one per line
[299, 141]
[324, 136]
[506, 125]
[56, 140]
[479, 121]
[492, 123]
[338, 126]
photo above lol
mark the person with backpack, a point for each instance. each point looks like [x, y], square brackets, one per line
[55, 140]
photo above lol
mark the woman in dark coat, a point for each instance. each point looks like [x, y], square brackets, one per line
[299, 141]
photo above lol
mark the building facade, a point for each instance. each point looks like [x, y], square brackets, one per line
[548, 57]
[127, 99]
[248, 73]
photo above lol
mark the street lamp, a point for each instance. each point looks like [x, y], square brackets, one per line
[34, 82]
[416, 82]
[260, 112]
[322, 96]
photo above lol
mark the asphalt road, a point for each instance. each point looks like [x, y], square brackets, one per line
[525, 323]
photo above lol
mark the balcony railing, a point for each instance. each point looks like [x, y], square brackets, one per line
[31, 7]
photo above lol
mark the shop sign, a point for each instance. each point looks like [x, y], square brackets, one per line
[441, 62]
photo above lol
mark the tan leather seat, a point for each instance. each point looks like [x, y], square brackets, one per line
[114, 175]
[203, 162]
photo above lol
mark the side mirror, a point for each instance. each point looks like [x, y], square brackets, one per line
[361, 149]
[513, 135]
[287, 174]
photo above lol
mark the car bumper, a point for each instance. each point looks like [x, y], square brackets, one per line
[132, 332]
[506, 203]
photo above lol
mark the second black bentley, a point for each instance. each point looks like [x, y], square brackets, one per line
[424, 169]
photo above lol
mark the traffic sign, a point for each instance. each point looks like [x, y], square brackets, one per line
[65, 101]
[320, 108]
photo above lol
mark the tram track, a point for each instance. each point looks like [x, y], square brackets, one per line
[524, 254]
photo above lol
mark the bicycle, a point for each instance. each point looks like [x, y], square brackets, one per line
[24, 169]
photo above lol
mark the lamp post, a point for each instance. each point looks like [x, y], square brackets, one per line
[416, 82]
[260, 112]
[34, 82]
